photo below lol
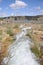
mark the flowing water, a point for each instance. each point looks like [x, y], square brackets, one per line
[20, 53]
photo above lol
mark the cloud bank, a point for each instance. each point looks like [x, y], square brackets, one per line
[38, 8]
[18, 4]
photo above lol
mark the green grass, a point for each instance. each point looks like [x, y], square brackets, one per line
[9, 31]
[36, 51]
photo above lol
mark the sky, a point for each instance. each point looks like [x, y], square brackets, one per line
[21, 7]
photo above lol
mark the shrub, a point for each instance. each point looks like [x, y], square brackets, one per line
[9, 31]
[36, 51]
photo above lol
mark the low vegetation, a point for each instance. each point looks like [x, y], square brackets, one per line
[36, 51]
[35, 48]
[8, 37]
[9, 31]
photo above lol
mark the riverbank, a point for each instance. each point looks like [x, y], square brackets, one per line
[8, 36]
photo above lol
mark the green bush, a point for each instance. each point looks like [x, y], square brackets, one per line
[36, 51]
[9, 31]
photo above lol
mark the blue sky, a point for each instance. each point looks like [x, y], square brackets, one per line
[21, 7]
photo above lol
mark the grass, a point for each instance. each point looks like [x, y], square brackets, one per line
[16, 26]
[9, 31]
[35, 48]
[36, 51]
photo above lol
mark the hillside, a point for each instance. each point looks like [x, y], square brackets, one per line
[32, 19]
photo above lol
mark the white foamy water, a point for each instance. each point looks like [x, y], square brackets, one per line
[20, 53]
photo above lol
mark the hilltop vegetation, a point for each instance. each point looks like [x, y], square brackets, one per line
[33, 19]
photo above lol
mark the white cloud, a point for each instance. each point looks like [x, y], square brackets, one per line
[41, 10]
[38, 8]
[18, 4]
[0, 8]
[3, 14]
[12, 14]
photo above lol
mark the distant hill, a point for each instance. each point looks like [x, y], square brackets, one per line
[24, 17]
[34, 19]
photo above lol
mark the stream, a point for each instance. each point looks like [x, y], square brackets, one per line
[20, 52]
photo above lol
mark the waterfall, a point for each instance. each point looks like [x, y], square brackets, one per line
[20, 53]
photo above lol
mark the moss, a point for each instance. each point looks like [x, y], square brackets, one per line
[36, 51]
